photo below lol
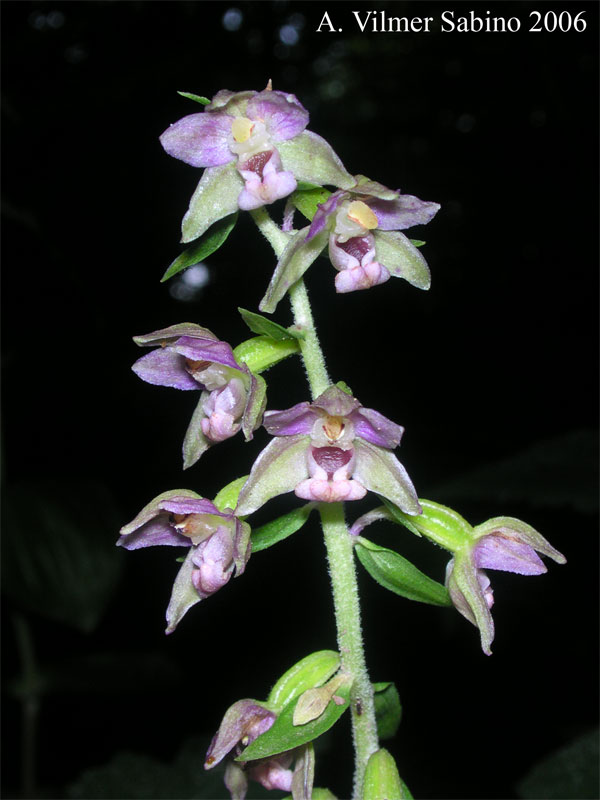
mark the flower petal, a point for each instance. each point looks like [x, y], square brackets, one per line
[380, 471]
[279, 468]
[165, 367]
[496, 551]
[313, 160]
[216, 196]
[520, 531]
[297, 419]
[324, 212]
[377, 429]
[282, 113]
[154, 507]
[404, 212]
[206, 350]
[201, 140]
[255, 406]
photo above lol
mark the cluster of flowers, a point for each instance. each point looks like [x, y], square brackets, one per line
[255, 150]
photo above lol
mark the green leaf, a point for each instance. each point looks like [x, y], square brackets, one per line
[306, 201]
[279, 529]
[317, 794]
[388, 710]
[397, 574]
[227, 497]
[310, 671]
[204, 101]
[208, 244]
[266, 327]
[263, 352]
[284, 735]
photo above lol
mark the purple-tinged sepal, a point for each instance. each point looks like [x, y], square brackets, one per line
[190, 357]
[328, 451]
[243, 722]
[219, 545]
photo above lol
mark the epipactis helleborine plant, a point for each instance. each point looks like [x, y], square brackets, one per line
[256, 150]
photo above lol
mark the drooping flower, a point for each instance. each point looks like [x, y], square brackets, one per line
[361, 228]
[255, 148]
[242, 724]
[219, 545]
[190, 357]
[501, 543]
[330, 450]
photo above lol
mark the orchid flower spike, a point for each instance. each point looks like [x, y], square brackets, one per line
[330, 450]
[190, 357]
[218, 542]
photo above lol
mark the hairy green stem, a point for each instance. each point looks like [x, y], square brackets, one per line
[350, 642]
[338, 543]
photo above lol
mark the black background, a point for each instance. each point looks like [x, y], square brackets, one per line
[498, 357]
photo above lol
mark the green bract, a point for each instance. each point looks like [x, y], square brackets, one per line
[395, 573]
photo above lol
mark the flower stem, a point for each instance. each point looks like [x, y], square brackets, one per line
[338, 542]
[347, 614]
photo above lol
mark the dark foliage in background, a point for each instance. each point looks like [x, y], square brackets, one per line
[492, 372]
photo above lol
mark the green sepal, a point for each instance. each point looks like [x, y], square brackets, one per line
[183, 595]
[204, 101]
[266, 327]
[284, 735]
[396, 573]
[344, 387]
[310, 671]
[195, 442]
[216, 196]
[256, 404]
[307, 201]
[263, 352]
[401, 258]
[417, 242]
[388, 709]
[441, 524]
[279, 529]
[296, 258]
[208, 244]
[313, 160]
[382, 779]
[227, 497]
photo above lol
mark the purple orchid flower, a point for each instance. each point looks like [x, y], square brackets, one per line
[330, 450]
[190, 357]
[219, 544]
[242, 724]
[361, 226]
[255, 148]
[502, 543]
